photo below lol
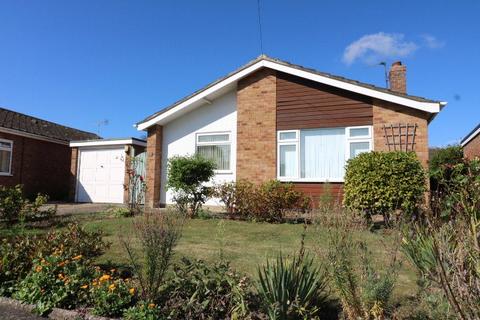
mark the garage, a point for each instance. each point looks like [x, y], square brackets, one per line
[100, 175]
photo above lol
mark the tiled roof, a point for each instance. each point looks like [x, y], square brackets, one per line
[285, 63]
[21, 122]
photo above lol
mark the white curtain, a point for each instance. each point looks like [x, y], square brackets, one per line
[288, 160]
[220, 154]
[323, 153]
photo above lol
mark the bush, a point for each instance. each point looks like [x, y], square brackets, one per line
[158, 234]
[57, 280]
[201, 291]
[143, 311]
[15, 207]
[18, 253]
[16, 260]
[449, 155]
[364, 292]
[447, 255]
[266, 202]
[186, 177]
[382, 182]
[292, 288]
[111, 295]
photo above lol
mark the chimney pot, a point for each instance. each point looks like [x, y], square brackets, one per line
[398, 77]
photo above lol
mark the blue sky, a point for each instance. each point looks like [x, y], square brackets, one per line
[81, 62]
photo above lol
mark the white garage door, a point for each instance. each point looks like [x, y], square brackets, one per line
[101, 175]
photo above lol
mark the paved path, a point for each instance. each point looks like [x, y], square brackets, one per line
[11, 313]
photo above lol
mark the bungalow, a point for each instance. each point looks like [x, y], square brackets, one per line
[36, 154]
[271, 119]
[471, 144]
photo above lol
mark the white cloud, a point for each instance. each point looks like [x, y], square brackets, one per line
[432, 42]
[373, 48]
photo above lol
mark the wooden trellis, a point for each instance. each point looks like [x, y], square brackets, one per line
[400, 137]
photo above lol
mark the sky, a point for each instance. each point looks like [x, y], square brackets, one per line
[102, 66]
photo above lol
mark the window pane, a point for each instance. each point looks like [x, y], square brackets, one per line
[288, 135]
[213, 138]
[4, 161]
[358, 147]
[288, 160]
[323, 153]
[219, 154]
[359, 132]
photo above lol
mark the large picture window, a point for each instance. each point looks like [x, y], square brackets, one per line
[319, 155]
[215, 147]
[6, 147]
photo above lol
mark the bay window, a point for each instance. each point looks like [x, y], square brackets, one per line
[319, 155]
[215, 147]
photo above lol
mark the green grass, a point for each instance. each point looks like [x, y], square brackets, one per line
[245, 244]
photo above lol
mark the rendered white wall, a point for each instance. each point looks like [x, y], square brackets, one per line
[179, 136]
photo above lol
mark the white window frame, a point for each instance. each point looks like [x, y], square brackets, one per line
[217, 143]
[367, 138]
[9, 173]
[288, 142]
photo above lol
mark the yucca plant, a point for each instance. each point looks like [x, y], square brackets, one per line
[292, 288]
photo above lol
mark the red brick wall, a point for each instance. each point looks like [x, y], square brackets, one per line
[154, 166]
[385, 113]
[472, 148]
[256, 127]
[40, 166]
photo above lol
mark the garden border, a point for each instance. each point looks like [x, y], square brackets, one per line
[56, 314]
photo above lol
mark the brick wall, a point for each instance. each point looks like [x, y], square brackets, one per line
[154, 166]
[73, 173]
[256, 127]
[472, 148]
[385, 113]
[41, 166]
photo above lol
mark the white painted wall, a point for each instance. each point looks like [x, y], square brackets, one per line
[179, 136]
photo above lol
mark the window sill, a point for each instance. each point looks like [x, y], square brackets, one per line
[223, 171]
[3, 174]
[300, 180]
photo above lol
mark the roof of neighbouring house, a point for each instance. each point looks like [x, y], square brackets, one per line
[472, 134]
[27, 124]
[424, 104]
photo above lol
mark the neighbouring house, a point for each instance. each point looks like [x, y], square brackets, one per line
[100, 169]
[471, 144]
[36, 154]
[275, 120]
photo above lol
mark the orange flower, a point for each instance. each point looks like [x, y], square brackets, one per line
[111, 287]
[85, 286]
[77, 257]
[132, 291]
[105, 277]
[94, 283]
[38, 269]
[152, 305]
[61, 276]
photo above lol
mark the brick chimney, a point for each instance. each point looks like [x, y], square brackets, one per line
[398, 77]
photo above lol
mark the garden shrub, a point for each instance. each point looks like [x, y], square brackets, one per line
[186, 177]
[292, 288]
[382, 182]
[57, 280]
[447, 254]
[265, 202]
[449, 155]
[143, 311]
[16, 257]
[198, 290]
[15, 207]
[364, 292]
[158, 234]
[111, 295]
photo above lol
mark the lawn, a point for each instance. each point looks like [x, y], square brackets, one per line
[245, 244]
